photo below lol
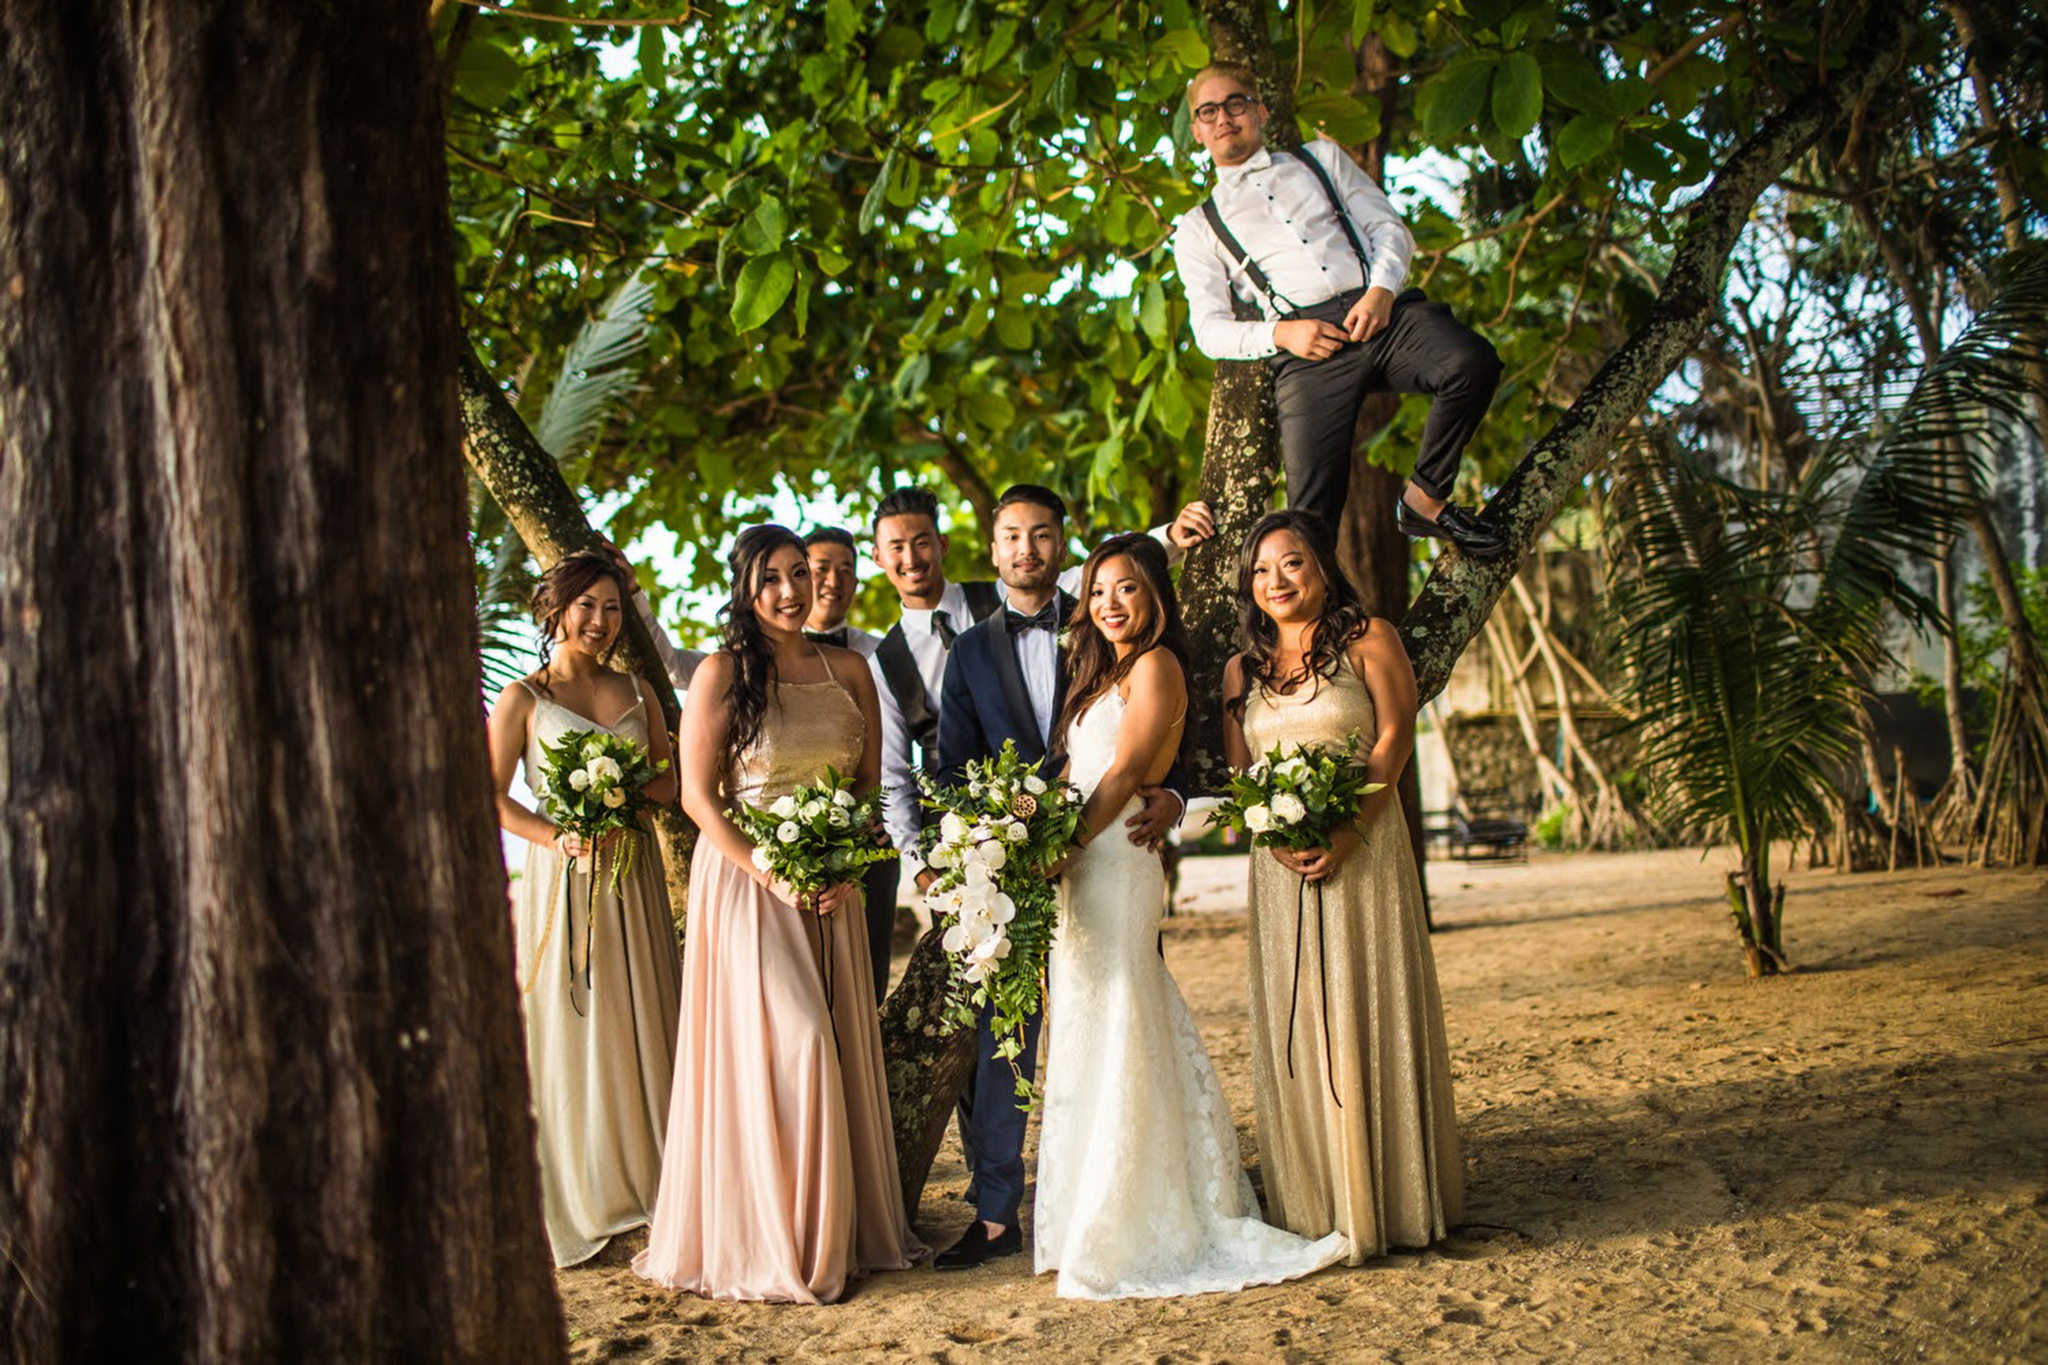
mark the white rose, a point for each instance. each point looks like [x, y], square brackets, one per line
[580, 780]
[1258, 819]
[1034, 784]
[1015, 832]
[1294, 767]
[787, 831]
[1258, 771]
[952, 829]
[839, 819]
[603, 769]
[813, 809]
[784, 808]
[843, 799]
[761, 858]
[592, 748]
[1288, 809]
[614, 798]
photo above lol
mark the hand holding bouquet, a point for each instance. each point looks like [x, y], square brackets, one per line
[1298, 798]
[1004, 827]
[591, 785]
[815, 837]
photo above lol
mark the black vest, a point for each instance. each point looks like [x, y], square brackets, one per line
[899, 673]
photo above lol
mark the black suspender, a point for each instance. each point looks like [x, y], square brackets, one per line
[906, 684]
[1237, 253]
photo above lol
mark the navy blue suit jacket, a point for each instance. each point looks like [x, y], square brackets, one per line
[987, 702]
[986, 699]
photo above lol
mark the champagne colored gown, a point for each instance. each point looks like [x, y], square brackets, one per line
[779, 1181]
[598, 989]
[1362, 1139]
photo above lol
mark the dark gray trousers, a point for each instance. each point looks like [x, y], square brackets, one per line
[1422, 349]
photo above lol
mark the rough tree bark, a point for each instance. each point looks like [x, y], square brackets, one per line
[1241, 453]
[1453, 605]
[259, 1038]
[528, 485]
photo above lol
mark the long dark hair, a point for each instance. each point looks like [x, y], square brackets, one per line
[753, 654]
[565, 581]
[1343, 619]
[1092, 665]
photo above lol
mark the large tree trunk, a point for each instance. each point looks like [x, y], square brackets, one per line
[1241, 456]
[1453, 605]
[259, 1036]
[527, 483]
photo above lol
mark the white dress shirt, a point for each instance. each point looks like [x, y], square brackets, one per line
[899, 765]
[1281, 217]
[680, 664]
[1038, 659]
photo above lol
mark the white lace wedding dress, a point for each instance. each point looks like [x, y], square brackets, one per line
[1140, 1193]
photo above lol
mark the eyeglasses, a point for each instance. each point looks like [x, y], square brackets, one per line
[1234, 107]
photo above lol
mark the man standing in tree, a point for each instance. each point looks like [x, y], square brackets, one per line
[1317, 251]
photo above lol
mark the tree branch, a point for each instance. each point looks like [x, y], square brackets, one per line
[1453, 605]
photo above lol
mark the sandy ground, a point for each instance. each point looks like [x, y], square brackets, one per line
[1664, 1160]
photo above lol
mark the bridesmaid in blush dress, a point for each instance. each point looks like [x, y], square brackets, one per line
[779, 1176]
[1350, 1070]
[597, 966]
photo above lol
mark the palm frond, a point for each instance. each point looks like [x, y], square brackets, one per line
[595, 376]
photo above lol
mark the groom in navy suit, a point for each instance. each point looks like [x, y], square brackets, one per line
[1005, 680]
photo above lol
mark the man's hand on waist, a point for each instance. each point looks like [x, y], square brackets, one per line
[1309, 338]
[1370, 314]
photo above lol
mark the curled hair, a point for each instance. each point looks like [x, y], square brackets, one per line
[1092, 665]
[753, 653]
[1343, 619]
[566, 580]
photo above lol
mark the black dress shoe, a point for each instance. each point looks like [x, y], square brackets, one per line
[1454, 524]
[976, 1247]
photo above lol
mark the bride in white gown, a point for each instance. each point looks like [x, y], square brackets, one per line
[1140, 1194]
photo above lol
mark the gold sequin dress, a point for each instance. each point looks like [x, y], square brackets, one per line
[1362, 1138]
[778, 1180]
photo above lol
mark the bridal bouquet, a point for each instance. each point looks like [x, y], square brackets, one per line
[1297, 796]
[592, 782]
[815, 837]
[1002, 826]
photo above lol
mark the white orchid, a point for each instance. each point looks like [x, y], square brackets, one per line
[952, 829]
[992, 854]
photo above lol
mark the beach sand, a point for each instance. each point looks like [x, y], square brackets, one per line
[1664, 1159]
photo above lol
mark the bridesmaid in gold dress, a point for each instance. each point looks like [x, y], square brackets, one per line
[778, 1179]
[597, 965]
[1351, 1074]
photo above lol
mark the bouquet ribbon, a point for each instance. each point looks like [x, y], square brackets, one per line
[1323, 972]
[825, 972]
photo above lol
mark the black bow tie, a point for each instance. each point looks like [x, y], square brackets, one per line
[1046, 617]
[828, 637]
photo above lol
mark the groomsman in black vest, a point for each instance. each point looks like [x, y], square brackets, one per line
[1317, 255]
[1004, 681]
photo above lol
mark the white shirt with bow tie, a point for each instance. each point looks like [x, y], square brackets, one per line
[1281, 217]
